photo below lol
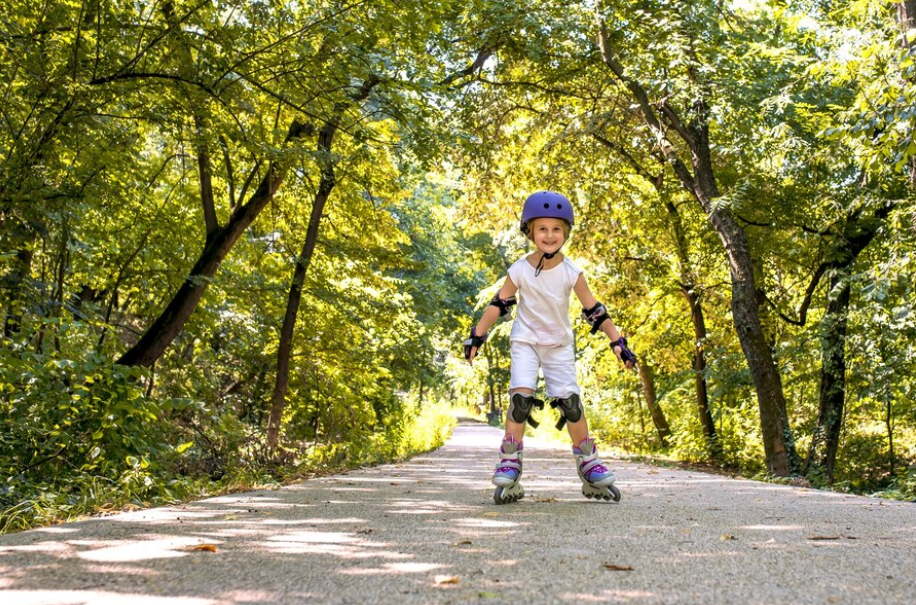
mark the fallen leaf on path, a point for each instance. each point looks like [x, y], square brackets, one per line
[727, 537]
[613, 567]
[205, 547]
[446, 580]
[462, 543]
[540, 499]
[824, 537]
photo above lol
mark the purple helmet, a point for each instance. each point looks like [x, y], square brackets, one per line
[546, 204]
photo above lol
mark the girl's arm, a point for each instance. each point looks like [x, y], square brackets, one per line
[491, 314]
[588, 301]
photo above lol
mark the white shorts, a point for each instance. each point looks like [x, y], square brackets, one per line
[558, 365]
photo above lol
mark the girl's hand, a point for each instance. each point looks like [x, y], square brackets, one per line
[473, 344]
[472, 355]
[623, 353]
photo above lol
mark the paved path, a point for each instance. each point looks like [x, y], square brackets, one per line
[427, 531]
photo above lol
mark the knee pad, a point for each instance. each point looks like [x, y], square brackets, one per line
[520, 407]
[570, 409]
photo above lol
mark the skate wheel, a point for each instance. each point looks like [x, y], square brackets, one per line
[615, 493]
[504, 495]
[608, 493]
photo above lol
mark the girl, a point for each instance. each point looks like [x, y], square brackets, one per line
[542, 338]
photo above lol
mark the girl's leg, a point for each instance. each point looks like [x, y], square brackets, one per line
[508, 471]
[578, 431]
[523, 381]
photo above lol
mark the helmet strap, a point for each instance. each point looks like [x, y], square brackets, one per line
[548, 256]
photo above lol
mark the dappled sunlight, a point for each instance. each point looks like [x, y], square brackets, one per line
[708, 554]
[234, 499]
[342, 551]
[425, 507]
[384, 480]
[393, 568]
[310, 521]
[503, 562]
[50, 548]
[162, 548]
[323, 521]
[774, 527]
[252, 596]
[121, 570]
[486, 523]
[317, 536]
[170, 515]
[79, 597]
[338, 544]
[608, 596]
[56, 529]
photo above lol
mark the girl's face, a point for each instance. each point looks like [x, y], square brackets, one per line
[548, 234]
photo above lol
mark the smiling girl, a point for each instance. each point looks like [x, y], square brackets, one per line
[542, 339]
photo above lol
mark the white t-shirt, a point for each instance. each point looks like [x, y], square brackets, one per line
[543, 303]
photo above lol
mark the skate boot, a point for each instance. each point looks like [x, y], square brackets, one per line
[597, 479]
[508, 472]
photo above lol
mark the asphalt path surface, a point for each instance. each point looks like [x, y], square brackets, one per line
[428, 531]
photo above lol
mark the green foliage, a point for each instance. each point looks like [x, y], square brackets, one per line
[78, 433]
[82, 414]
[120, 153]
[807, 115]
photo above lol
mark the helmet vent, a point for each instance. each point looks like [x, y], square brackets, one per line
[546, 205]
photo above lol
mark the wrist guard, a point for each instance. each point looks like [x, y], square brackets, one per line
[504, 305]
[473, 342]
[625, 353]
[595, 316]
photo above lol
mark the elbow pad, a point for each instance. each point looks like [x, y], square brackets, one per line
[504, 305]
[595, 316]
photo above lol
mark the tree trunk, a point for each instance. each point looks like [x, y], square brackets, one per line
[778, 442]
[284, 349]
[857, 234]
[648, 389]
[170, 322]
[704, 410]
[689, 290]
[325, 186]
[889, 425]
[833, 376]
[17, 291]
[774, 423]
[906, 19]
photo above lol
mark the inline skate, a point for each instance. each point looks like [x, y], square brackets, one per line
[597, 479]
[508, 472]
